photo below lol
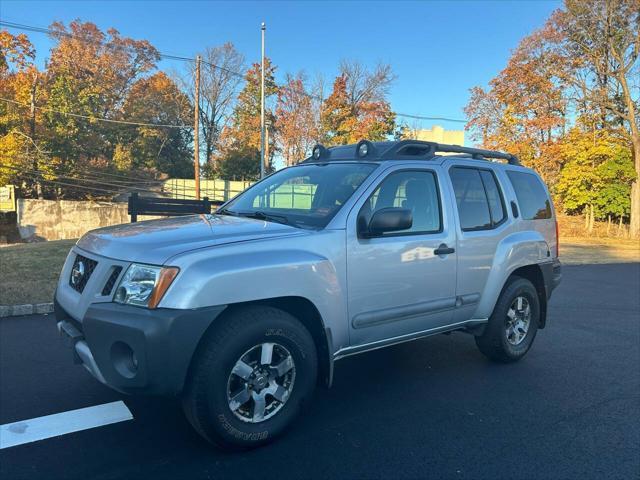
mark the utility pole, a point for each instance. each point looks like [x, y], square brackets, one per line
[262, 132]
[32, 131]
[266, 140]
[196, 129]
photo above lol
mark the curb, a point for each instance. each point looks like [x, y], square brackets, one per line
[28, 309]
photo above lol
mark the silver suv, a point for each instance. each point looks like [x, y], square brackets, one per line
[358, 247]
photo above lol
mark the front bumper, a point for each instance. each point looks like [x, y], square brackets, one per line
[136, 350]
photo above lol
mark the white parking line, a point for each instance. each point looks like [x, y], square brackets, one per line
[40, 428]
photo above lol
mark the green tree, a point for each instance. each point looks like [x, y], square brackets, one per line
[239, 164]
[157, 100]
[598, 172]
[601, 39]
[244, 133]
[91, 73]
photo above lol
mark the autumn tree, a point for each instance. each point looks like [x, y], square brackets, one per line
[91, 73]
[20, 82]
[524, 110]
[243, 135]
[156, 100]
[296, 121]
[357, 107]
[601, 39]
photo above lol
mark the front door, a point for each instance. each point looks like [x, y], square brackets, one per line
[398, 283]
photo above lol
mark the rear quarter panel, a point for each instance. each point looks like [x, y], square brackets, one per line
[526, 242]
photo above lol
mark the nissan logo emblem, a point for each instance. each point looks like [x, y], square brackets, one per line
[77, 273]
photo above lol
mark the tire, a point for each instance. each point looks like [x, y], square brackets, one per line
[216, 375]
[501, 341]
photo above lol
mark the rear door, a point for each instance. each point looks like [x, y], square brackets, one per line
[397, 285]
[482, 221]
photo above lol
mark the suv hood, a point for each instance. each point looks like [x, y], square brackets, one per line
[156, 241]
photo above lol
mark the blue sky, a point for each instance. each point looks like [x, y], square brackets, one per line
[438, 50]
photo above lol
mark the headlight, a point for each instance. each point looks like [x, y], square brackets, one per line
[144, 285]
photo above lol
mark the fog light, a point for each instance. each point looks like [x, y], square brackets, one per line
[124, 359]
[134, 360]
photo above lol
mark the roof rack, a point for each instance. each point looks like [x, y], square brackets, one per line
[401, 150]
[417, 148]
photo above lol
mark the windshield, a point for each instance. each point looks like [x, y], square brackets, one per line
[306, 196]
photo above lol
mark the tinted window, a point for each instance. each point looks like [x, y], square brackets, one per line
[494, 197]
[471, 198]
[532, 197]
[414, 190]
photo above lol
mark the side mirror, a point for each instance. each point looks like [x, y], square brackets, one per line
[390, 219]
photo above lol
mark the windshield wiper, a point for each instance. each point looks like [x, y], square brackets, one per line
[224, 211]
[270, 217]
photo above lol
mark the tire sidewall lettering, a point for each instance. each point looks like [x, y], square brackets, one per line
[283, 333]
[245, 436]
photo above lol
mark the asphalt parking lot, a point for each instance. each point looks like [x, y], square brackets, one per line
[435, 408]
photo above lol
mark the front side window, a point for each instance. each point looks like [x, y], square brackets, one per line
[305, 196]
[532, 197]
[478, 198]
[415, 190]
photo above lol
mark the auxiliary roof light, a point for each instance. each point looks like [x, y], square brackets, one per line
[364, 148]
[318, 152]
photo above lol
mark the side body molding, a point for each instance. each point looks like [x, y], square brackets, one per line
[516, 250]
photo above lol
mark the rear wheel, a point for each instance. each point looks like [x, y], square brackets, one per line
[513, 324]
[250, 378]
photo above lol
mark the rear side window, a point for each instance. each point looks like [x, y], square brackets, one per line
[532, 196]
[478, 197]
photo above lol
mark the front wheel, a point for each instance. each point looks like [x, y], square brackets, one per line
[250, 377]
[513, 323]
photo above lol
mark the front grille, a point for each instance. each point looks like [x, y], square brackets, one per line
[112, 281]
[81, 272]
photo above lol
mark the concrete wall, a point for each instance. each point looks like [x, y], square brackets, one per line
[63, 219]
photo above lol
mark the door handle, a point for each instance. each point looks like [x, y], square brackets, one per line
[443, 250]
[514, 209]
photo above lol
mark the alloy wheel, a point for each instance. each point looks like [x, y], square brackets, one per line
[261, 382]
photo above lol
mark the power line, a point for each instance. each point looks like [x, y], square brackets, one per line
[167, 56]
[92, 172]
[95, 173]
[98, 119]
[420, 117]
[78, 179]
[33, 174]
[38, 176]
[187, 59]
